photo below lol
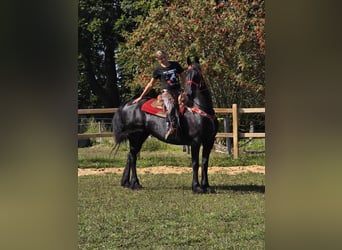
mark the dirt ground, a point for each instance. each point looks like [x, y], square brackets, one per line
[174, 170]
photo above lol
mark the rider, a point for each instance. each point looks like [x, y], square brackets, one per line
[168, 73]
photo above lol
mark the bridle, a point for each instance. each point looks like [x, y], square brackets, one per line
[199, 85]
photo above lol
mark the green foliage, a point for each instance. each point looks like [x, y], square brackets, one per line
[153, 145]
[101, 24]
[230, 43]
[166, 215]
[253, 144]
[98, 36]
[92, 126]
[85, 97]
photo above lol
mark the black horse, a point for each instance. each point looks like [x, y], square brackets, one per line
[197, 126]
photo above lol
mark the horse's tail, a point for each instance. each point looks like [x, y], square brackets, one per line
[119, 127]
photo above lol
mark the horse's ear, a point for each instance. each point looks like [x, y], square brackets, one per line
[188, 60]
[197, 59]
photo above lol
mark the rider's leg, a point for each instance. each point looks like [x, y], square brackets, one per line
[170, 107]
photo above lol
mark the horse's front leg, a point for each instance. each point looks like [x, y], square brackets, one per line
[196, 187]
[205, 162]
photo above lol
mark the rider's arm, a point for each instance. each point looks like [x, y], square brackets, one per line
[147, 89]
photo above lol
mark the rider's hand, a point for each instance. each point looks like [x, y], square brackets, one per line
[137, 100]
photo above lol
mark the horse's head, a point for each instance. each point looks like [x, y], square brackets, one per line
[196, 88]
[194, 78]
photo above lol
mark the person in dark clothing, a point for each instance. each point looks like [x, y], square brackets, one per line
[168, 73]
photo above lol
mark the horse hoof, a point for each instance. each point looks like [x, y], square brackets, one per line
[197, 190]
[126, 184]
[210, 190]
[136, 186]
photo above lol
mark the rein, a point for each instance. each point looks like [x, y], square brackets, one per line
[183, 100]
[202, 113]
[198, 85]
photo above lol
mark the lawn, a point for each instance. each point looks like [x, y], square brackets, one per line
[156, 153]
[165, 214]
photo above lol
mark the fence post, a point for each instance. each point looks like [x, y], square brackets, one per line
[226, 130]
[235, 131]
[251, 130]
[100, 130]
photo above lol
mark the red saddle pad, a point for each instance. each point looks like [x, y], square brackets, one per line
[152, 106]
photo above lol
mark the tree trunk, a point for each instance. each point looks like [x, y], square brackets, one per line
[107, 94]
[111, 87]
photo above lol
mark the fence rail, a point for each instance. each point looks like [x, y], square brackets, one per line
[235, 111]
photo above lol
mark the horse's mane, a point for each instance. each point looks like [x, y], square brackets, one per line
[196, 78]
[195, 68]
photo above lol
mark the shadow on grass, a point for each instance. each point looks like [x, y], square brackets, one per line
[242, 188]
[234, 188]
[158, 188]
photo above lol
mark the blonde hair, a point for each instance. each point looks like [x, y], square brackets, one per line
[160, 53]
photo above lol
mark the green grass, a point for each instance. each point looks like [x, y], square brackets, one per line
[165, 214]
[156, 153]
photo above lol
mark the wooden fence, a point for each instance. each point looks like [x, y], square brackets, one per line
[235, 111]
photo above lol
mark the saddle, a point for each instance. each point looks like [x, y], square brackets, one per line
[154, 106]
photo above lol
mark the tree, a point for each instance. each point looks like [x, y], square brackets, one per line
[98, 36]
[101, 25]
[230, 42]
[134, 14]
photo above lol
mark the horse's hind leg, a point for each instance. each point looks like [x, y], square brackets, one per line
[125, 182]
[135, 142]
